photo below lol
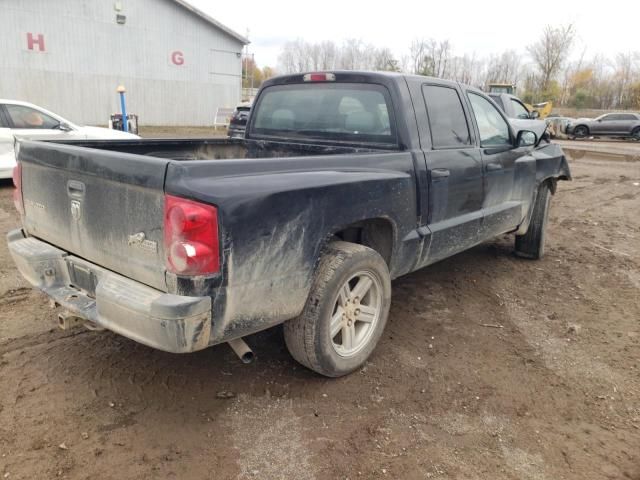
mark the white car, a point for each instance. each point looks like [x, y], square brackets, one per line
[25, 120]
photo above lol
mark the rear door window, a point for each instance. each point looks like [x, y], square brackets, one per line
[448, 123]
[337, 112]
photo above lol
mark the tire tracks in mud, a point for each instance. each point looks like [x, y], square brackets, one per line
[24, 343]
[14, 296]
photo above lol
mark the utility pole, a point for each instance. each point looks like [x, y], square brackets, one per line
[246, 66]
[253, 63]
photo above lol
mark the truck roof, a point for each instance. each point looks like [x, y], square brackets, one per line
[356, 76]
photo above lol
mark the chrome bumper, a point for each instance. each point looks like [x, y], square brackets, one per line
[161, 320]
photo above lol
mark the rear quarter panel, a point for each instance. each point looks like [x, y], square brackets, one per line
[275, 223]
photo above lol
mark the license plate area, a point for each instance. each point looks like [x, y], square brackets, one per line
[82, 278]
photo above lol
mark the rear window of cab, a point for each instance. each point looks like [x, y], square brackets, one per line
[337, 112]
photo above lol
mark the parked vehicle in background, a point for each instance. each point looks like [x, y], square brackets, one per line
[543, 109]
[625, 125]
[520, 116]
[513, 106]
[7, 156]
[30, 121]
[345, 181]
[557, 125]
[238, 121]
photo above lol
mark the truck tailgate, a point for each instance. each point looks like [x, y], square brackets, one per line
[105, 207]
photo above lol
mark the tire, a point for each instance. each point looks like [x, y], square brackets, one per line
[358, 322]
[531, 244]
[635, 134]
[581, 131]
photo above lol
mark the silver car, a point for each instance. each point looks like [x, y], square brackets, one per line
[607, 125]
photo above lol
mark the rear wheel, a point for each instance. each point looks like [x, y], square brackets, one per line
[345, 313]
[636, 134]
[581, 131]
[531, 244]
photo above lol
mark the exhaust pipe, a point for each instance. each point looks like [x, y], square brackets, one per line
[68, 320]
[242, 350]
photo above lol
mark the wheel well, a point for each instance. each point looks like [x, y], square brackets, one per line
[583, 126]
[375, 233]
[553, 184]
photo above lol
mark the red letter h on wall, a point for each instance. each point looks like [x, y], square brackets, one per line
[33, 41]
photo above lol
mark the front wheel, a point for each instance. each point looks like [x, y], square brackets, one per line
[531, 244]
[581, 132]
[345, 313]
[636, 134]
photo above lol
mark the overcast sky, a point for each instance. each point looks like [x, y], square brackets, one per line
[471, 26]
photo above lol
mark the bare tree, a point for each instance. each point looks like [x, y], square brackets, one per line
[625, 70]
[465, 69]
[384, 60]
[353, 54]
[315, 56]
[295, 56]
[551, 51]
[350, 54]
[430, 57]
[417, 53]
[328, 55]
[503, 68]
[599, 82]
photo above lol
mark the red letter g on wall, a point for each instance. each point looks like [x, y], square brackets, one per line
[33, 41]
[177, 58]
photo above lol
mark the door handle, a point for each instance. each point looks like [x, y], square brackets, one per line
[440, 173]
[492, 167]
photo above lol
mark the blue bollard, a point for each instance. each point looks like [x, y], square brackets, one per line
[123, 107]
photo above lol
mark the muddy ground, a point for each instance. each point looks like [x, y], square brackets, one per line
[491, 368]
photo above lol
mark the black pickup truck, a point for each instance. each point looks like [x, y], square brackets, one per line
[344, 181]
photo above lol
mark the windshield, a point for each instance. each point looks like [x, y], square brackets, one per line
[343, 112]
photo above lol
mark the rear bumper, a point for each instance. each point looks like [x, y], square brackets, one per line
[172, 323]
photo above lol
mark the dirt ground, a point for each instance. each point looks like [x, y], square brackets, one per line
[491, 367]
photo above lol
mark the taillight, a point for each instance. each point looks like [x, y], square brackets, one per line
[190, 237]
[319, 77]
[17, 193]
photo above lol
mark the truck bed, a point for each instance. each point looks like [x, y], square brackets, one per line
[216, 148]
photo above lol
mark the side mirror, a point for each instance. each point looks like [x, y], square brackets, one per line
[534, 114]
[526, 138]
[65, 127]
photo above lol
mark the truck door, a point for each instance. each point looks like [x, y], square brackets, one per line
[454, 167]
[509, 173]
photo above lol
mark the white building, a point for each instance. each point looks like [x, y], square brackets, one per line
[178, 64]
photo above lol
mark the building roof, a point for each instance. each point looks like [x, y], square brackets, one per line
[212, 21]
